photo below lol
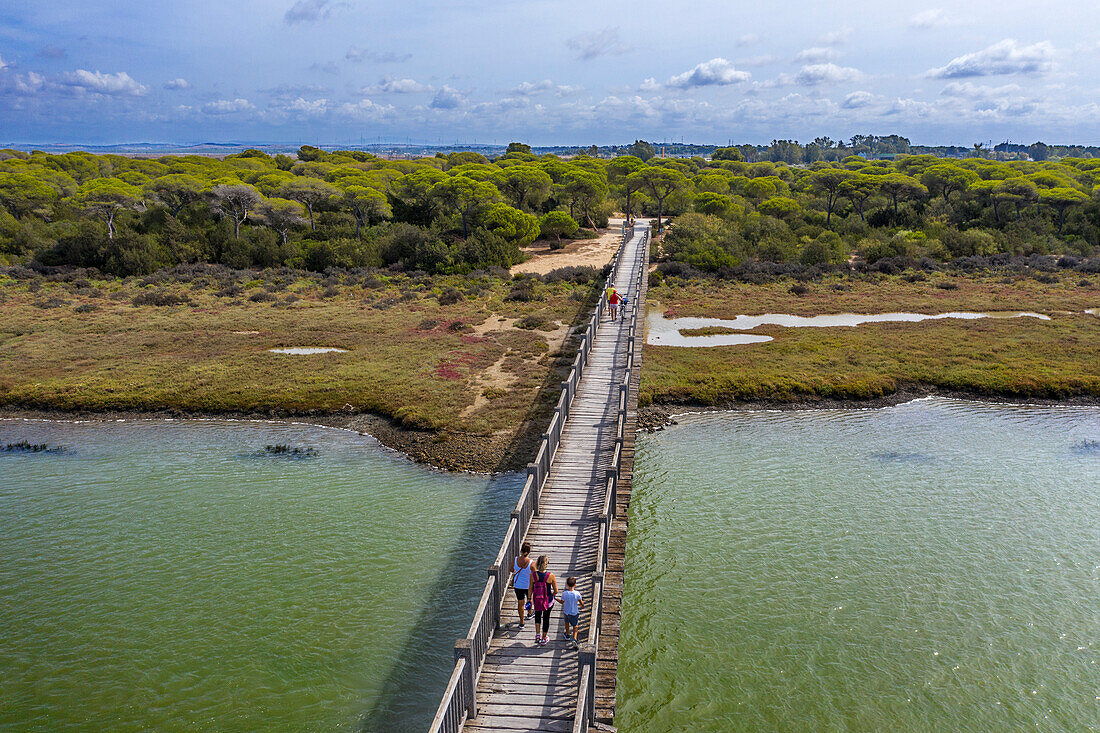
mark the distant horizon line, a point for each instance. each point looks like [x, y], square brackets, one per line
[259, 144]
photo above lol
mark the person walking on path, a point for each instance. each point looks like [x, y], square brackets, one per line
[618, 304]
[613, 301]
[521, 580]
[571, 605]
[544, 588]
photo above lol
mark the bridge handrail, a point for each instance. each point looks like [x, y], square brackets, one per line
[460, 699]
[452, 711]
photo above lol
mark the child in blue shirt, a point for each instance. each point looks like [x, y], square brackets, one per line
[571, 605]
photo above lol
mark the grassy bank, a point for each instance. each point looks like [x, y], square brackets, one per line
[1020, 357]
[457, 364]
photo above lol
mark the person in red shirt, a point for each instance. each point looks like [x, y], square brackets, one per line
[616, 302]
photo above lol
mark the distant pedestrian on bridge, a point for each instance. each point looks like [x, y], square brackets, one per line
[544, 588]
[521, 580]
[615, 301]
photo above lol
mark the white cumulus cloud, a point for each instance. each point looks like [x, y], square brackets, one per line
[447, 98]
[402, 86]
[96, 82]
[816, 55]
[604, 42]
[29, 83]
[716, 72]
[814, 74]
[310, 11]
[310, 107]
[932, 18]
[227, 106]
[1005, 57]
[531, 88]
[177, 84]
[364, 109]
[970, 90]
[856, 100]
[838, 37]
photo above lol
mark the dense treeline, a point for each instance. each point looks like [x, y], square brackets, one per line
[916, 206]
[827, 149]
[460, 212]
[446, 214]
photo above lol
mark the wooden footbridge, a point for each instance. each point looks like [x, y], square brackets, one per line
[575, 490]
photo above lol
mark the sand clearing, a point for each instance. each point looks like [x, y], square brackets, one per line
[308, 350]
[579, 253]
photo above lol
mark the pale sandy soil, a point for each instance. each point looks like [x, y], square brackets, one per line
[496, 376]
[579, 253]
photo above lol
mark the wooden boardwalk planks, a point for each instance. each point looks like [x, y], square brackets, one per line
[524, 687]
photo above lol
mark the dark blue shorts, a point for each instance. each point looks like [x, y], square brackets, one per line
[573, 619]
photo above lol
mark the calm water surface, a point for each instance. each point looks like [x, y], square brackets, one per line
[928, 567]
[159, 576]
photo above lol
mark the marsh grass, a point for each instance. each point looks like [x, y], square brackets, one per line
[211, 355]
[25, 446]
[708, 331]
[875, 293]
[1021, 357]
[287, 451]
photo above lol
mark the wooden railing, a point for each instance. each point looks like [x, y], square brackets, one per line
[586, 685]
[460, 698]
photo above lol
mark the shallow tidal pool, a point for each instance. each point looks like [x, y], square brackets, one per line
[931, 566]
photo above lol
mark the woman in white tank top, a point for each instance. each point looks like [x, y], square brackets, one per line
[521, 580]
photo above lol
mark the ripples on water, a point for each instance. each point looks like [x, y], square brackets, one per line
[932, 566]
[159, 576]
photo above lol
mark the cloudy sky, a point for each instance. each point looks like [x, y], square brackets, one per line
[547, 71]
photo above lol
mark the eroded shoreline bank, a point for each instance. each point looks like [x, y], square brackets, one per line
[447, 452]
[497, 454]
[657, 416]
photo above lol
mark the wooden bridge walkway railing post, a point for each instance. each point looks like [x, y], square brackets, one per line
[576, 469]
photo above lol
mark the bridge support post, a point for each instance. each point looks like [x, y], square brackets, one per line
[521, 530]
[499, 579]
[597, 585]
[611, 479]
[534, 470]
[587, 657]
[605, 538]
[464, 650]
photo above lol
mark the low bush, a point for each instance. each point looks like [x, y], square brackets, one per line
[523, 291]
[160, 298]
[229, 291]
[574, 274]
[530, 323]
[450, 296]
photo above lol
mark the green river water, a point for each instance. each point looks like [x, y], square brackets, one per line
[933, 566]
[928, 567]
[158, 576]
